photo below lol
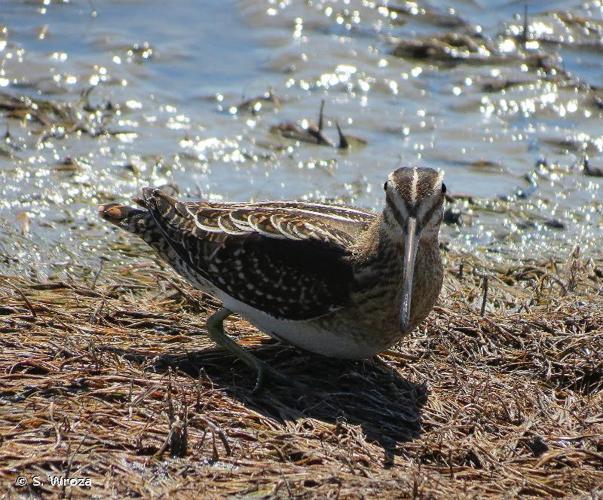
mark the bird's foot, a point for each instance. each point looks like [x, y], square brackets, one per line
[215, 328]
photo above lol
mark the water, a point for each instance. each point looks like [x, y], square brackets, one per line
[141, 94]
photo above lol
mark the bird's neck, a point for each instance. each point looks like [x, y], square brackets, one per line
[380, 247]
[378, 270]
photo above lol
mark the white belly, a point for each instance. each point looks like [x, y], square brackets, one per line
[304, 334]
[307, 335]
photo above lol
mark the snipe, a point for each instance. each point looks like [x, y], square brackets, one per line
[334, 280]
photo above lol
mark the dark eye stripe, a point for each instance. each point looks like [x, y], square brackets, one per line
[412, 211]
[394, 210]
[431, 211]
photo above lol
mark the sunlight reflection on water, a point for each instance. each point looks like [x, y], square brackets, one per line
[100, 99]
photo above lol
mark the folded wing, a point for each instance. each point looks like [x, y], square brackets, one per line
[287, 259]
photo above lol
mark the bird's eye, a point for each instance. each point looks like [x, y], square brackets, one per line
[385, 186]
[443, 188]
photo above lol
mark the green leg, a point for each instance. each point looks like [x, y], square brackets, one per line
[215, 328]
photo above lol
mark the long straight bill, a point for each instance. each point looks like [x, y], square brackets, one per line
[410, 255]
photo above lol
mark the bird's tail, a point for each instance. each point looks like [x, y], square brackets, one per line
[134, 220]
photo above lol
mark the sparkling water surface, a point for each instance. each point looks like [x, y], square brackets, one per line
[98, 99]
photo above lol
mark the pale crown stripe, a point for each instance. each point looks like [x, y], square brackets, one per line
[413, 186]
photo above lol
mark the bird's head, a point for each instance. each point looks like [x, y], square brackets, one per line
[413, 211]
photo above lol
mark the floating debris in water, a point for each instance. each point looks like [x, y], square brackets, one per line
[592, 170]
[68, 164]
[313, 134]
[453, 217]
[558, 28]
[500, 85]
[554, 224]
[268, 101]
[140, 52]
[523, 193]
[449, 47]
[430, 15]
[24, 220]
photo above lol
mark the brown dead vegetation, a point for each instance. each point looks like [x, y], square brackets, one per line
[107, 378]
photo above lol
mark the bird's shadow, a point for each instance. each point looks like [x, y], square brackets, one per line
[370, 394]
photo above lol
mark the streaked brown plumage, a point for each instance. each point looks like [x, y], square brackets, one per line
[331, 279]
